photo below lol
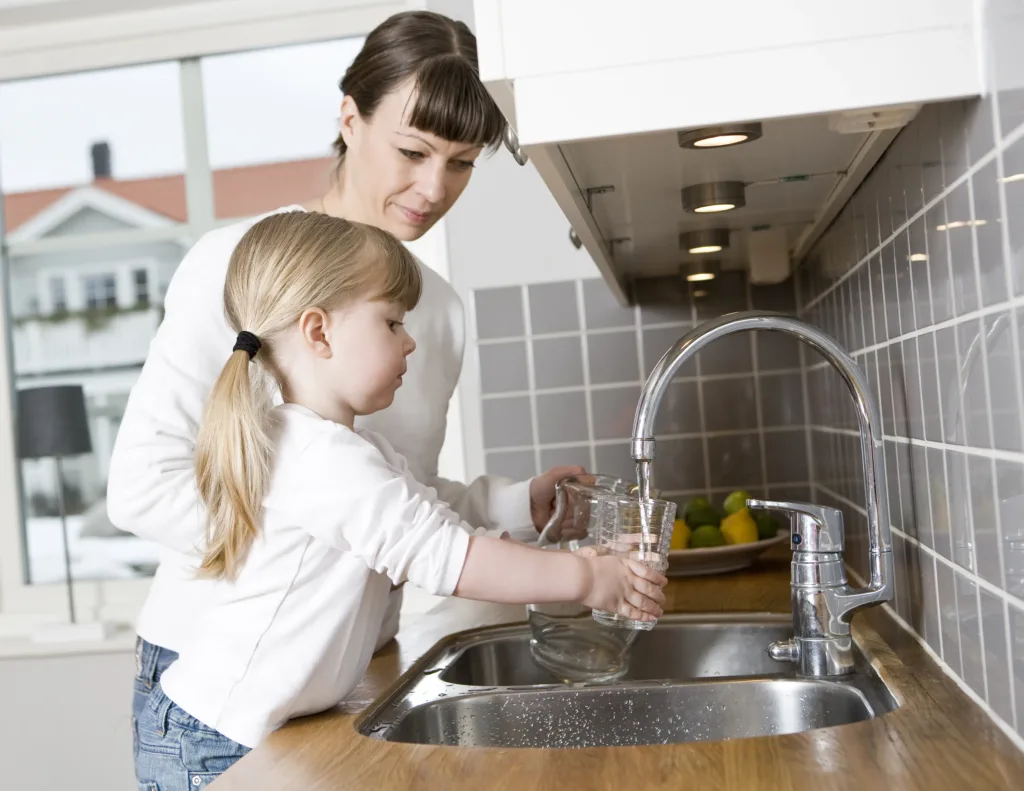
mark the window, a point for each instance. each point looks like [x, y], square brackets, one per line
[93, 172]
[271, 117]
[140, 278]
[100, 291]
[58, 296]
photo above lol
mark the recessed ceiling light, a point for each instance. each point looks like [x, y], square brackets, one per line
[918, 257]
[719, 136]
[715, 196]
[701, 271]
[1011, 179]
[705, 240]
[954, 224]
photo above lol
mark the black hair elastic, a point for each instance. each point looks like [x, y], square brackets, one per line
[247, 342]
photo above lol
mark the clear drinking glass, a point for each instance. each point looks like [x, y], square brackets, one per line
[619, 529]
[565, 639]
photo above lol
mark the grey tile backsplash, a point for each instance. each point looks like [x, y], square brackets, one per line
[921, 278]
[562, 386]
[932, 312]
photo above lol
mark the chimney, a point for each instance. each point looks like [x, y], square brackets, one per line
[100, 161]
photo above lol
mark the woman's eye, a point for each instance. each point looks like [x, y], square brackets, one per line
[416, 156]
[463, 164]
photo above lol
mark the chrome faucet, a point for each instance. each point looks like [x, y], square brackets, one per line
[823, 602]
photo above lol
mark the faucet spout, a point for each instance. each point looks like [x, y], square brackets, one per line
[880, 587]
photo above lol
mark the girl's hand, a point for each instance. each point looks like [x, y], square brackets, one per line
[622, 586]
[542, 503]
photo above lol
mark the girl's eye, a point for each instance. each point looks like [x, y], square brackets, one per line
[393, 324]
[415, 156]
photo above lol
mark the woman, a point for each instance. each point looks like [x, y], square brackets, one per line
[414, 119]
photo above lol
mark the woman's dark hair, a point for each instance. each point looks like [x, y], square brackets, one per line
[440, 54]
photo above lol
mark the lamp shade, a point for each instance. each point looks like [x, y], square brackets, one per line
[52, 422]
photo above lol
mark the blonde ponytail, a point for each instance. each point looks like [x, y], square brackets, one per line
[285, 264]
[233, 456]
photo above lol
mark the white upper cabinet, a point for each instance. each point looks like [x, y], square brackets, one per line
[598, 90]
[594, 68]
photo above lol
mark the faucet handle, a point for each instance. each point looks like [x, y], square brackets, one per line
[813, 528]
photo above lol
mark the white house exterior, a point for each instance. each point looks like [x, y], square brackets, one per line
[87, 317]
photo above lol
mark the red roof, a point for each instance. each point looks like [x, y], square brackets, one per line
[237, 192]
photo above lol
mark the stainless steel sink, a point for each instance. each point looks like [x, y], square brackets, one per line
[678, 649]
[691, 679]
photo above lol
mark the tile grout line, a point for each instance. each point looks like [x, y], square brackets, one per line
[624, 440]
[758, 407]
[805, 392]
[667, 325]
[938, 395]
[639, 383]
[705, 449]
[641, 364]
[1003, 595]
[581, 316]
[531, 381]
[970, 516]
[1006, 728]
[1016, 135]
[1018, 716]
[969, 450]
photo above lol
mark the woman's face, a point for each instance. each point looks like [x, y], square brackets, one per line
[396, 177]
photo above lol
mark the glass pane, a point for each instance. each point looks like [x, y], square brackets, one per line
[85, 317]
[271, 116]
[89, 152]
[80, 154]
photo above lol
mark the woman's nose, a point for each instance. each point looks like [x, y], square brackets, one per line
[431, 183]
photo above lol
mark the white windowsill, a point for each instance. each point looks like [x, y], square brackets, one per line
[122, 641]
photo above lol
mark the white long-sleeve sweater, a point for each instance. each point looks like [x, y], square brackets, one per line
[151, 488]
[293, 633]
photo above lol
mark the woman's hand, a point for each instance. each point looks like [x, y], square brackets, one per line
[623, 586]
[542, 502]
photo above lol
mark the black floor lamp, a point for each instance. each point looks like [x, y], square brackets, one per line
[52, 424]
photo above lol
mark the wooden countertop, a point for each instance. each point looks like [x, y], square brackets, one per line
[937, 740]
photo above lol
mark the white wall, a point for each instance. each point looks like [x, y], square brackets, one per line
[66, 723]
[505, 230]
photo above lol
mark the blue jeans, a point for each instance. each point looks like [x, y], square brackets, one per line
[150, 663]
[173, 750]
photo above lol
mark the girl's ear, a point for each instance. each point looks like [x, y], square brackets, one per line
[313, 326]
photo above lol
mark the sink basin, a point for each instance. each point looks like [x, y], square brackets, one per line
[634, 714]
[678, 649]
[690, 679]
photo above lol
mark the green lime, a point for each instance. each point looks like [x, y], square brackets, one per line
[702, 514]
[706, 536]
[736, 501]
[767, 525]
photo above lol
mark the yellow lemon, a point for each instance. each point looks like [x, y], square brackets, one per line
[680, 535]
[739, 528]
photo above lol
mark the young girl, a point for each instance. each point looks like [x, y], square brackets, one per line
[309, 520]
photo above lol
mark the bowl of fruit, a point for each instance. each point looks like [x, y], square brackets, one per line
[708, 539]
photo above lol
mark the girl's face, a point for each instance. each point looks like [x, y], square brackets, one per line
[348, 361]
[369, 345]
[396, 177]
